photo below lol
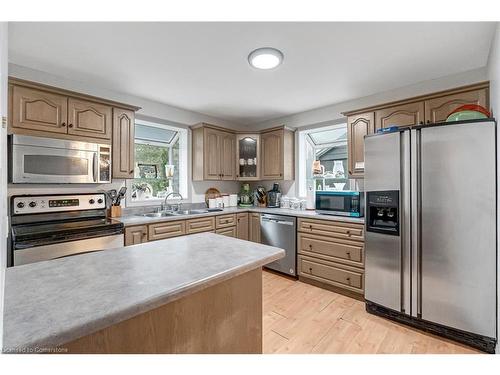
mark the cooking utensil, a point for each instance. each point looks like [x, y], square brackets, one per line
[112, 195]
[121, 195]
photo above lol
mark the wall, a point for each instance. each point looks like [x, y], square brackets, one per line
[332, 113]
[150, 110]
[3, 167]
[494, 77]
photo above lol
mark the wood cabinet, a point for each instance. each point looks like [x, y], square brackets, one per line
[198, 225]
[230, 232]
[254, 227]
[166, 229]
[242, 226]
[357, 127]
[248, 157]
[38, 110]
[136, 235]
[438, 109]
[89, 119]
[123, 143]
[277, 154]
[331, 255]
[213, 153]
[401, 115]
[425, 109]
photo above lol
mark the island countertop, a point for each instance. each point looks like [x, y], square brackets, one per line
[53, 302]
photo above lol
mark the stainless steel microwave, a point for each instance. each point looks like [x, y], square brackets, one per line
[344, 203]
[38, 160]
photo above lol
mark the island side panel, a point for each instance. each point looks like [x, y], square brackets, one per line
[224, 318]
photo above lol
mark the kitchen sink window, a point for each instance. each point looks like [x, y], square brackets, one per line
[160, 162]
[323, 159]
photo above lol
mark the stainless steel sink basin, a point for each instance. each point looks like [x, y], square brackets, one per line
[174, 213]
[157, 214]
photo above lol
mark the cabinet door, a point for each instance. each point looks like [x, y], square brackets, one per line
[438, 109]
[136, 235]
[242, 226]
[212, 153]
[227, 152]
[89, 119]
[401, 115]
[254, 227]
[272, 155]
[39, 110]
[248, 157]
[123, 149]
[357, 127]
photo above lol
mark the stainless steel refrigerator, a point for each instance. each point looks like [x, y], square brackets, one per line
[431, 230]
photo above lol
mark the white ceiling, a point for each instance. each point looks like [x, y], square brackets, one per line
[203, 66]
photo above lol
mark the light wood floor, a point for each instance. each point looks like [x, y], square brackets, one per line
[301, 318]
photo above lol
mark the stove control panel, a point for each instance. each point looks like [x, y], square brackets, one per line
[57, 203]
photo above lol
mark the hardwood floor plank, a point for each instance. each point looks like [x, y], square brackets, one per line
[301, 318]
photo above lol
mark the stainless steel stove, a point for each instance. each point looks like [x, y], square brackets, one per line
[45, 227]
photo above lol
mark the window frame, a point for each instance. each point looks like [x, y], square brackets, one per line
[182, 137]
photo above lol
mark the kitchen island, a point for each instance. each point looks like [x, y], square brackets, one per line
[195, 294]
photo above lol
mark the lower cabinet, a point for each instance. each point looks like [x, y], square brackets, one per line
[136, 235]
[331, 254]
[230, 232]
[242, 226]
[254, 227]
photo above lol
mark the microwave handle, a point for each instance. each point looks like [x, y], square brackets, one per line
[95, 166]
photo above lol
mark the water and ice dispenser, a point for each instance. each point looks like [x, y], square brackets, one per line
[382, 212]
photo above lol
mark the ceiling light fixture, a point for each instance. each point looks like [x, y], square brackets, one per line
[265, 58]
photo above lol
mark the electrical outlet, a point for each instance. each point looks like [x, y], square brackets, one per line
[4, 122]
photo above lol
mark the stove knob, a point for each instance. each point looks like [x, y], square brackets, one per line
[32, 204]
[100, 200]
[91, 201]
[20, 205]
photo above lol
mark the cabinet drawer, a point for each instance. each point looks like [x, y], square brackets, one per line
[166, 230]
[332, 273]
[344, 251]
[203, 224]
[350, 231]
[224, 221]
[230, 232]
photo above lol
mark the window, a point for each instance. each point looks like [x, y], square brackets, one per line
[323, 159]
[160, 162]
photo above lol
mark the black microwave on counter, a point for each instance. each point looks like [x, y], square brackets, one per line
[340, 202]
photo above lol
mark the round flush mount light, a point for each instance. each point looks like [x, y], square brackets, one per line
[265, 58]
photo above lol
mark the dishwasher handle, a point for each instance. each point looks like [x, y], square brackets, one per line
[277, 221]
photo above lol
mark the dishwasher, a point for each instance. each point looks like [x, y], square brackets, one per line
[279, 231]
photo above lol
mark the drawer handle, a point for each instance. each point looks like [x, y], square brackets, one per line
[348, 279]
[348, 253]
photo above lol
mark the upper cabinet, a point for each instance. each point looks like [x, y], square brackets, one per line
[423, 110]
[213, 153]
[357, 127]
[38, 110]
[438, 109]
[401, 115]
[248, 157]
[277, 154]
[123, 143]
[89, 119]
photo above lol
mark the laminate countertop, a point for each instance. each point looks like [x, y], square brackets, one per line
[54, 302]
[130, 220]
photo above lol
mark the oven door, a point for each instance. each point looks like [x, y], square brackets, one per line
[35, 164]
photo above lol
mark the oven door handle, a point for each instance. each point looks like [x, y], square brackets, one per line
[94, 164]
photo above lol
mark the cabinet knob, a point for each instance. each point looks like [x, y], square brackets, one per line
[310, 246]
[70, 125]
[63, 124]
[348, 253]
[428, 121]
[348, 232]
[348, 279]
[131, 171]
[310, 269]
[421, 122]
[281, 174]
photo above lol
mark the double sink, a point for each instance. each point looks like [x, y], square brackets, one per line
[177, 213]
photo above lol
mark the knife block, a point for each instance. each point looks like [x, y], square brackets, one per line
[115, 211]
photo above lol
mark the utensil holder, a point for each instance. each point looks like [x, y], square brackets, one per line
[116, 211]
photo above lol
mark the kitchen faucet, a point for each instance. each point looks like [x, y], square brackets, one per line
[176, 205]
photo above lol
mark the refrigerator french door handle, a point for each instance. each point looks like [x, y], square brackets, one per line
[405, 220]
[416, 220]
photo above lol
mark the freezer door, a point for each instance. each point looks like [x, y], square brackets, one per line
[458, 227]
[383, 254]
